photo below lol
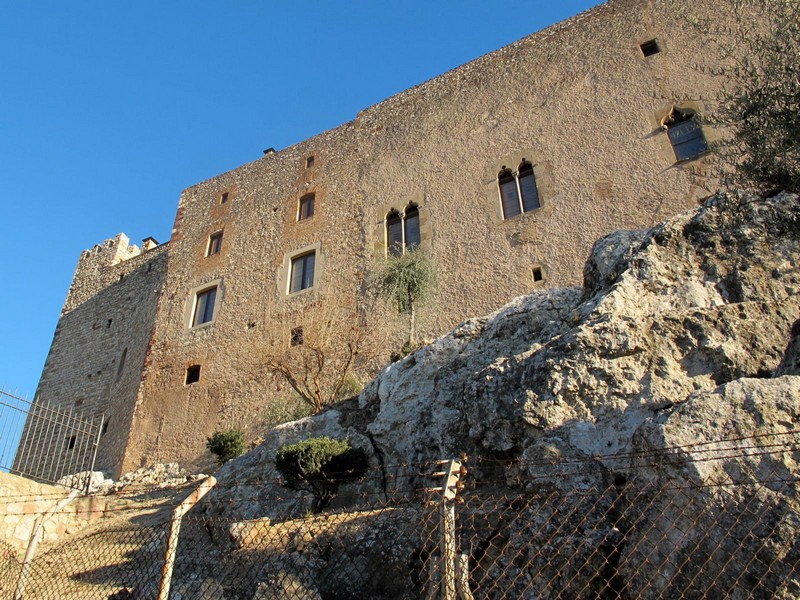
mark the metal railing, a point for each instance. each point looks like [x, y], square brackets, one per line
[47, 443]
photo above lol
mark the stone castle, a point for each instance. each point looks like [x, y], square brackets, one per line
[504, 171]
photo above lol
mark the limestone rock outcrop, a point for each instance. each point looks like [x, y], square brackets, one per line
[682, 345]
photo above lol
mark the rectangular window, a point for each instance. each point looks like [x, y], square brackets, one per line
[214, 243]
[192, 374]
[223, 198]
[302, 276]
[306, 210]
[309, 161]
[204, 306]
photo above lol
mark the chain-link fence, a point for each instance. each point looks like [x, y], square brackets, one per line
[631, 537]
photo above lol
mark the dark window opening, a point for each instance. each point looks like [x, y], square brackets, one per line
[214, 243]
[306, 210]
[309, 161]
[527, 187]
[297, 336]
[518, 190]
[121, 364]
[121, 276]
[537, 274]
[302, 276]
[403, 231]
[223, 198]
[649, 48]
[149, 267]
[204, 306]
[394, 233]
[79, 402]
[105, 428]
[108, 325]
[192, 374]
[71, 442]
[685, 135]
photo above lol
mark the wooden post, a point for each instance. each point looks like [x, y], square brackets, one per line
[452, 569]
[36, 536]
[174, 533]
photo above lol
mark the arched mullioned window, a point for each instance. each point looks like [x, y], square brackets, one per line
[402, 230]
[518, 192]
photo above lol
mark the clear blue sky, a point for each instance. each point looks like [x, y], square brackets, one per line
[108, 109]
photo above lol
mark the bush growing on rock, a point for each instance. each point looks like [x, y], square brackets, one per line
[226, 444]
[319, 465]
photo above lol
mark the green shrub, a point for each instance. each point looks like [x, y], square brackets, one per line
[226, 444]
[319, 465]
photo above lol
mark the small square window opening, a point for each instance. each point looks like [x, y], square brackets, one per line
[297, 336]
[214, 243]
[310, 161]
[537, 274]
[192, 374]
[649, 48]
[223, 198]
[306, 208]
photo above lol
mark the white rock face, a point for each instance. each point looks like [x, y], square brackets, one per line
[706, 298]
[664, 385]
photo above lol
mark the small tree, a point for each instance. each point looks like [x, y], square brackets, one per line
[406, 281]
[315, 350]
[226, 444]
[762, 107]
[320, 465]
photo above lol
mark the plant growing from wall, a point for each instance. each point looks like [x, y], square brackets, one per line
[319, 465]
[227, 444]
[315, 350]
[406, 281]
[762, 107]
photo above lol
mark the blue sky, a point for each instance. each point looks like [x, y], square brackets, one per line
[109, 109]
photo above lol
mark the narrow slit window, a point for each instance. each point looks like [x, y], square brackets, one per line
[306, 209]
[309, 161]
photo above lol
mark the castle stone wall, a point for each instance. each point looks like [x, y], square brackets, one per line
[580, 101]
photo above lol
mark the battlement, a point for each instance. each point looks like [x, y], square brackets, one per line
[104, 265]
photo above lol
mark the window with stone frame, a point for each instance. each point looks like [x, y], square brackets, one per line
[402, 230]
[214, 243]
[302, 272]
[518, 191]
[685, 134]
[204, 306]
[306, 208]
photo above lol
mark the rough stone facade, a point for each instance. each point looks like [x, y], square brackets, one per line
[579, 101]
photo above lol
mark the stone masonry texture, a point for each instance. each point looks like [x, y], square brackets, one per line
[579, 101]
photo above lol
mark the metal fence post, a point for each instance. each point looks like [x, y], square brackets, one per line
[174, 533]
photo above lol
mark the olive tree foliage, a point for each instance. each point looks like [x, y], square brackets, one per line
[319, 465]
[315, 349]
[226, 445]
[760, 55]
[406, 281]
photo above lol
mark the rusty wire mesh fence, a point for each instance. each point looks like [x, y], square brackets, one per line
[631, 537]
